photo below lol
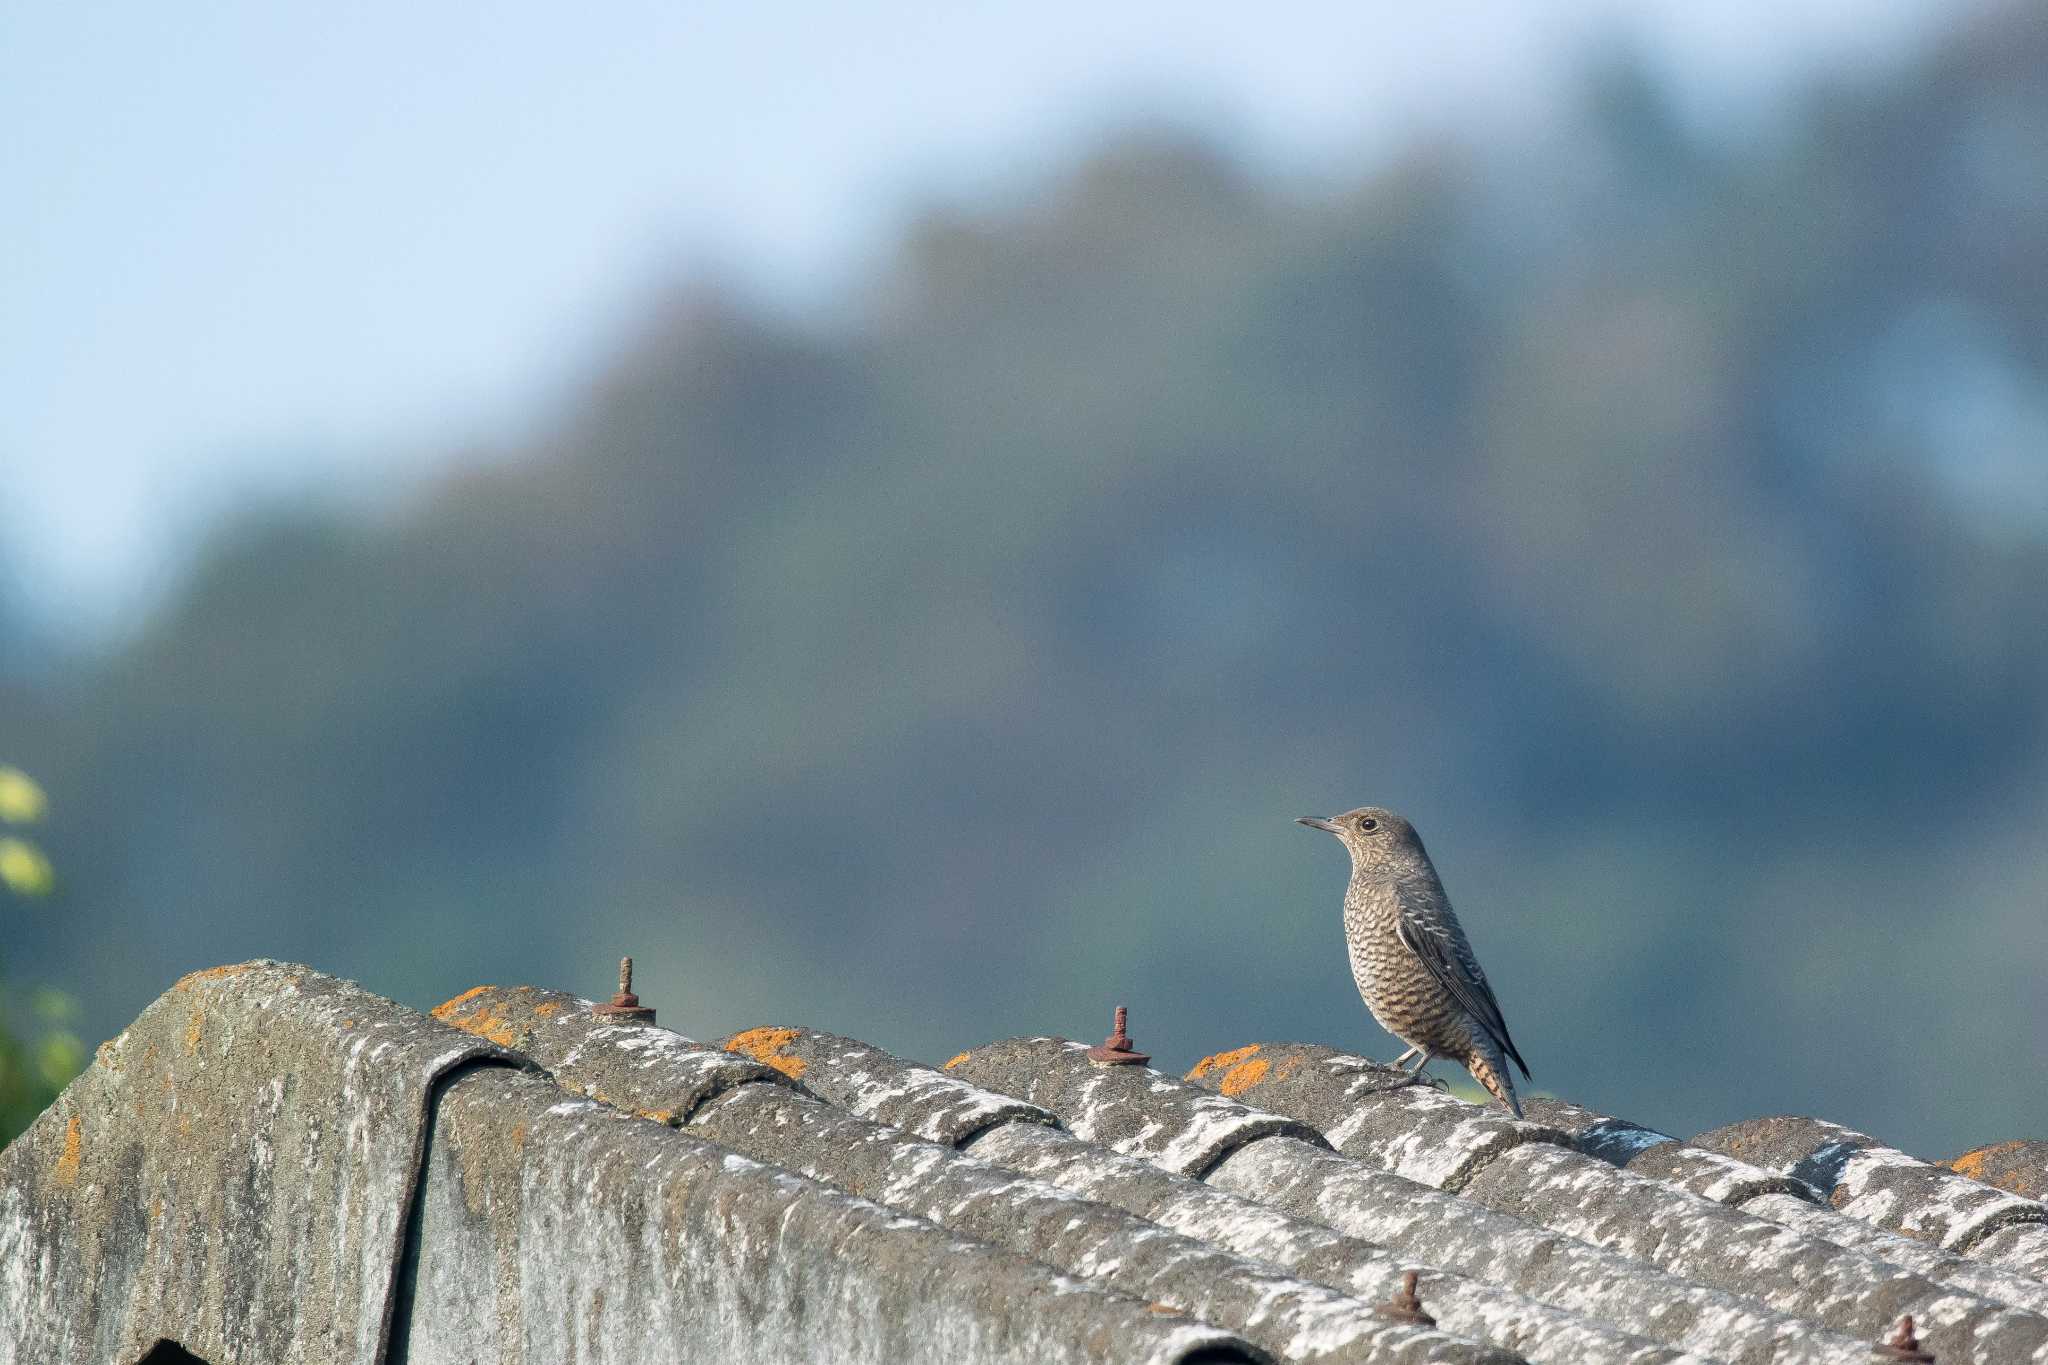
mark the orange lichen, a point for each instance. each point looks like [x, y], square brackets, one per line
[448, 1007]
[486, 1019]
[1971, 1164]
[74, 1140]
[1287, 1068]
[765, 1045]
[1218, 1061]
[518, 1135]
[191, 979]
[957, 1059]
[549, 1010]
[1244, 1076]
[2025, 1179]
[194, 1027]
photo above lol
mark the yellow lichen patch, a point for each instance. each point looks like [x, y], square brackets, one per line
[1218, 1061]
[2028, 1183]
[766, 1045]
[549, 1010]
[211, 974]
[485, 1019]
[957, 1059]
[448, 1007]
[1244, 1076]
[1971, 1164]
[74, 1140]
[194, 1028]
[666, 1117]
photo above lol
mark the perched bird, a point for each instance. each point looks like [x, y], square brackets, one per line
[1410, 958]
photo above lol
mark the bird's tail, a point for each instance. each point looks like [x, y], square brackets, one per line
[1492, 1072]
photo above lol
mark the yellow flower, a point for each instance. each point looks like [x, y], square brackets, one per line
[21, 801]
[24, 869]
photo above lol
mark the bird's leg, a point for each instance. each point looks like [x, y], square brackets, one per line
[1411, 1077]
[1419, 1076]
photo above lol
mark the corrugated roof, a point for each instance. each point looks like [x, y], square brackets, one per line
[273, 1165]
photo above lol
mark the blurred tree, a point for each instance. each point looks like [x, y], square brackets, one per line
[1609, 495]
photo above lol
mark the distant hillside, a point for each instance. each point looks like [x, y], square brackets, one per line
[1649, 517]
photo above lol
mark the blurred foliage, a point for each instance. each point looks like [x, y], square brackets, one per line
[1658, 516]
[39, 1054]
[23, 868]
[21, 801]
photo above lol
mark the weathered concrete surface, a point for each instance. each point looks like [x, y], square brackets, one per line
[1760, 1260]
[1460, 1304]
[1294, 1318]
[1613, 1140]
[865, 1079]
[1412, 1130]
[2019, 1167]
[868, 1081]
[1152, 1113]
[1133, 1109]
[1535, 1173]
[1777, 1197]
[233, 1172]
[556, 1230]
[644, 1070]
[1866, 1179]
[641, 1068]
[1455, 1234]
[1965, 1273]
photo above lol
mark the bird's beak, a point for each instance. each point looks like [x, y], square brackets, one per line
[1316, 822]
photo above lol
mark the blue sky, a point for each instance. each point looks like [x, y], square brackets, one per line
[258, 249]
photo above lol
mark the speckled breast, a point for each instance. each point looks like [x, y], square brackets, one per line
[1398, 989]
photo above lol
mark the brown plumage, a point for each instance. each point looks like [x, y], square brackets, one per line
[1410, 958]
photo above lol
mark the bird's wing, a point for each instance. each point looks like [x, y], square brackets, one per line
[1439, 946]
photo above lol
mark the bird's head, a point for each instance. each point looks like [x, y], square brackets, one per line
[1380, 842]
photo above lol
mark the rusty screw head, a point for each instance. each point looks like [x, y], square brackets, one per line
[1902, 1346]
[625, 1006]
[1406, 1305]
[1116, 1049]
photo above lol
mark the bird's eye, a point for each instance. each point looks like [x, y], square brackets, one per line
[1368, 824]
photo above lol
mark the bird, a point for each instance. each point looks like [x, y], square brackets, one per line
[1410, 958]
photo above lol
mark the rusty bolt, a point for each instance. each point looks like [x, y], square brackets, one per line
[1116, 1049]
[1902, 1346]
[625, 1006]
[1406, 1305]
